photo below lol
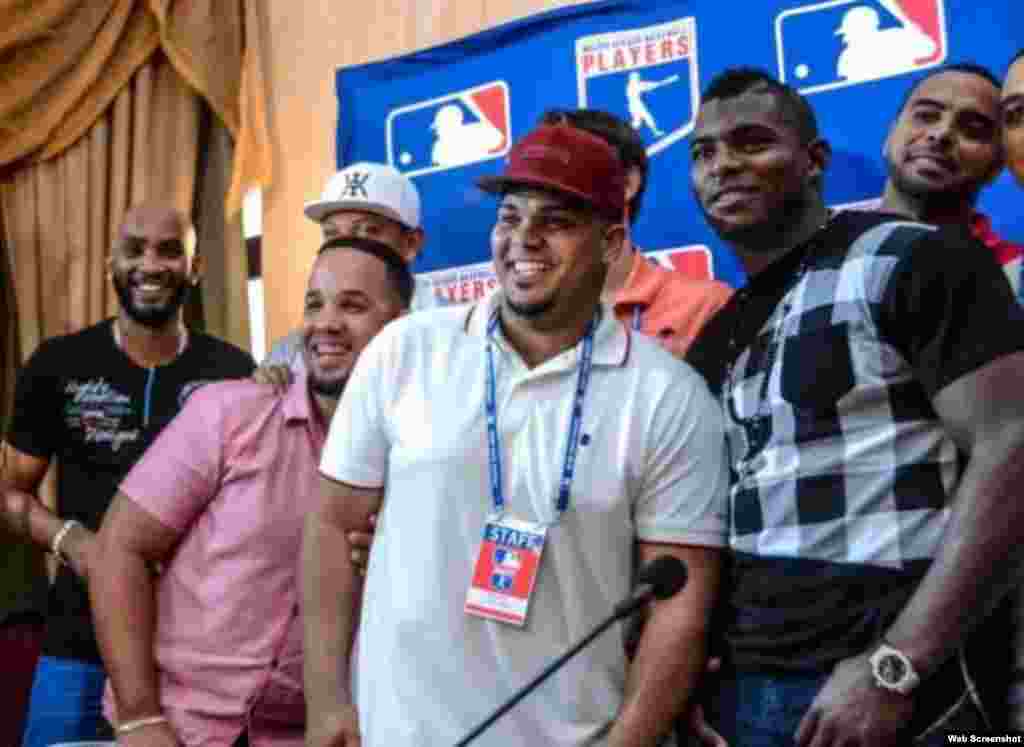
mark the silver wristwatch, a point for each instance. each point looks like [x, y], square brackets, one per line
[893, 670]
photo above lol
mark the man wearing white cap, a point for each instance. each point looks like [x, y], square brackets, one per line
[374, 201]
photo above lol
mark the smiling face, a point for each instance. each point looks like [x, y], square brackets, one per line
[349, 300]
[1013, 119]
[550, 256]
[944, 145]
[150, 265]
[750, 171]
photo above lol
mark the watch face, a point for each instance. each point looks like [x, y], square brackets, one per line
[891, 669]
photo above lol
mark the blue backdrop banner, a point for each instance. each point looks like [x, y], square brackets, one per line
[449, 114]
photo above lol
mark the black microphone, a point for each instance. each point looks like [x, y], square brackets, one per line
[659, 579]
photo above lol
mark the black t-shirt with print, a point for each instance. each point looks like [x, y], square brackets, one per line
[81, 400]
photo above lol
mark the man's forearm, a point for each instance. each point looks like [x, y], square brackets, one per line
[980, 558]
[26, 516]
[669, 661]
[124, 610]
[331, 595]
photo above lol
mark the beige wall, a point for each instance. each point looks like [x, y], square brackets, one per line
[307, 41]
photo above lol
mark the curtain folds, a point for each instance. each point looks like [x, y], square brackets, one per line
[105, 104]
[61, 215]
[66, 61]
[10, 356]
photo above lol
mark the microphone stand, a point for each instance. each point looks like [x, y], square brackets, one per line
[622, 610]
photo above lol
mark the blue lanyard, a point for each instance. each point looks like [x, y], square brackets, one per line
[575, 424]
[637, 317]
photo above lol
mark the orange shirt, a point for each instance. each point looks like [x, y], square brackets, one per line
[673, 307]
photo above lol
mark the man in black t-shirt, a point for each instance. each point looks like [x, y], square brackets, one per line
[95, 400]
[869, 374]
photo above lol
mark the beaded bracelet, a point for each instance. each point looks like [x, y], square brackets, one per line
[59, 537]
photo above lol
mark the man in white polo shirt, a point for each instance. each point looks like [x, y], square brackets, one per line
[523, 455]
[372, 201]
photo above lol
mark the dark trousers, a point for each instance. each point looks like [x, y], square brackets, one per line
[754, 709]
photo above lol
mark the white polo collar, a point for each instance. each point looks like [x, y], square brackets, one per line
[611, 340]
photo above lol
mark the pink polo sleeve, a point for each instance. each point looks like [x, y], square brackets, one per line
[179, 473]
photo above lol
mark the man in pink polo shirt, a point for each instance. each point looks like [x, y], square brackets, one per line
[210, 652]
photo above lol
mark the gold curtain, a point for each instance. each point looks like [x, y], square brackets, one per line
[9, 354]
[102, 105]
[61, 215]
[65, 61]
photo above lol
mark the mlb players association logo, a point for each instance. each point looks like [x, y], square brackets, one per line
[845, 42]
[647, 76]
[506, 564]
[449, 131]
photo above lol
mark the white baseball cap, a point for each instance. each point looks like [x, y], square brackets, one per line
[372, 188]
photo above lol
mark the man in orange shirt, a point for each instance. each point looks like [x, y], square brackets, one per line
[666, 305]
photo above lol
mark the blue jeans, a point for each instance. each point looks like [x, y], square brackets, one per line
[758, 710]
[66, 703]
[752, 709]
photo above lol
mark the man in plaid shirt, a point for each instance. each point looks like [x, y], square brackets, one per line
[869, 373]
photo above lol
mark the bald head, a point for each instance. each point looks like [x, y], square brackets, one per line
[153, 263]
[155, 219]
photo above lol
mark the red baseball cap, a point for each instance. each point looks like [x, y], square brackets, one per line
[565, 159]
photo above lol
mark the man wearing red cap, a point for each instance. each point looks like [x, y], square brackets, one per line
[522, 454]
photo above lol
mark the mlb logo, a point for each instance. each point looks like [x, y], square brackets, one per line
[647, 76]
[507, 560]
[506, 564]
[504, 568]
[694, 261]
[845, 42]
[501, 581]
[453, 130]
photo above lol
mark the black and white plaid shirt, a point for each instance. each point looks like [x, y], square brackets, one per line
[850, 463]
[826, 365]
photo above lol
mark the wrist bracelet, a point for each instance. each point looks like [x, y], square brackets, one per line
[140, 723]
[59, 537]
